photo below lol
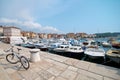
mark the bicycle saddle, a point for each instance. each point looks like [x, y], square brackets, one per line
[19, 49]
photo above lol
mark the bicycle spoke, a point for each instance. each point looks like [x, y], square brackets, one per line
[24, 62]
[11, 58]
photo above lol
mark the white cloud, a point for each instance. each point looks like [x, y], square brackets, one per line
[50, 29]
[5, 20]
[29, 25]
[25, 13]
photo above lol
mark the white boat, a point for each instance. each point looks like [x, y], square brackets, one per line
[61, 48]
[90, 44]
[114, 55]
[52, 46]
[95, 52]
[106, 44]
[74, 49]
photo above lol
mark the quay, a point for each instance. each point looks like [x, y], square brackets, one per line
[54, 67]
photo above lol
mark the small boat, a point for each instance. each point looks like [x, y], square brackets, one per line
[116, 45]
[90, 44]
[61, 48]
[114, 55]
[38, 45]
[41, 46]
[106, 44]
[28, 45]
[95, 52]
[74, 52]
[52, 46]
[75, 49]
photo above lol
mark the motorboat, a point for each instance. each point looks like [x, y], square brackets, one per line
[90, 44]
[95, 52]
[116, 44]
[52, 46]
[74, 49]
[114, 55]
[106, 44]
[28, 45]
[61, 48]
[41, 46]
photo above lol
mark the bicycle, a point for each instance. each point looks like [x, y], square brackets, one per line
[14, 58]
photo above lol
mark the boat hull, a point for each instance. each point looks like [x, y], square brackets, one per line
[114, 55]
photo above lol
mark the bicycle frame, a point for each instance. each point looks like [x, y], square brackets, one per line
[13, 53]
[16, 55]
[14, 58]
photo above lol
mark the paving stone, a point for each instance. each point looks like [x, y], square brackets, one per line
[106, 78]
[60, 78]
[57, 57]
[72, 68]
[69, 75]
[105, 71]
[28, 74]
[36, 69]
[44, 65]
[90, 74]
[3, 74]
[52, 78]
[40, 78]
[54, 71]
[49, 60]
[10, 70]
[62, 65]
[71, 61]
[15, 76]
[45, 74]
[82, 65]
[83, 77]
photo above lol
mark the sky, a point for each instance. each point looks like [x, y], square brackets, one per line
[61, 16]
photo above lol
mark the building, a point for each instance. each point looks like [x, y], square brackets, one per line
[25, 34]
[81, 35]
[49, 36]
[70, 35]
[61, 36]
[33, 35]
[12, 35]
[42, 35]
[29, 34]
[1, 30]
[11, 31]
[91, 35]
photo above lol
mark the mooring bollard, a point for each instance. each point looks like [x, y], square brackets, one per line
[35, 56]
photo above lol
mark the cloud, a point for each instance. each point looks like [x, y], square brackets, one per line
[29, 25]
[39, 8]
[26, 13]
[5, 20]
[50, 29]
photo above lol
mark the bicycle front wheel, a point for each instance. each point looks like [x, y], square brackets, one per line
[25, 63]
[11, 59]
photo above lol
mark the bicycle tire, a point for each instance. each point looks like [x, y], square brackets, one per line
[11, 59]
[25, 63]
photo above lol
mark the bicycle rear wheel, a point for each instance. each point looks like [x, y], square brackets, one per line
[11, 59]
[25, 63]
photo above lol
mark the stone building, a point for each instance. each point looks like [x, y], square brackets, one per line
[1, 30]
[12, 35]
[70, 35]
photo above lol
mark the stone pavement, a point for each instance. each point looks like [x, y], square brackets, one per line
[55, 67]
